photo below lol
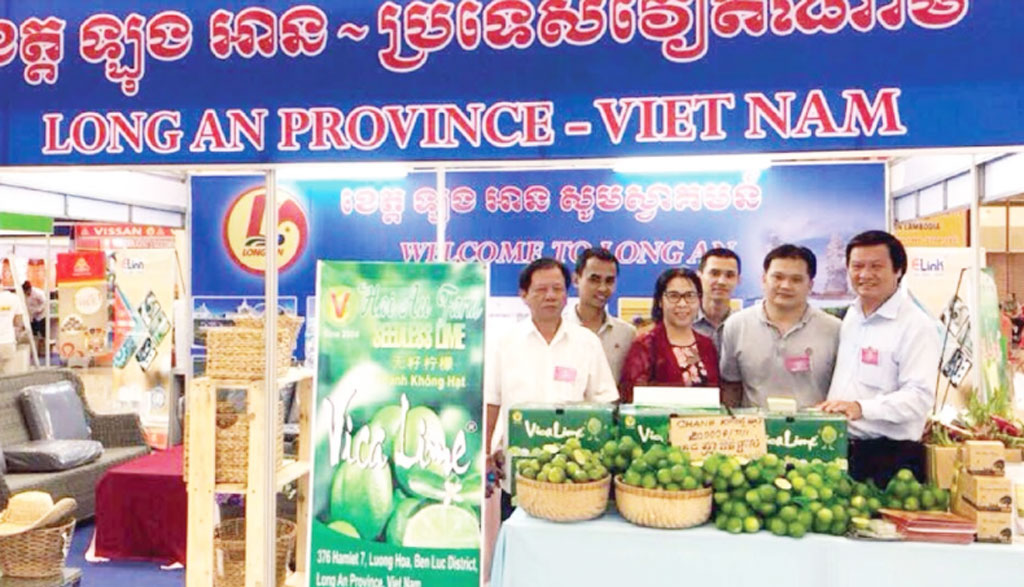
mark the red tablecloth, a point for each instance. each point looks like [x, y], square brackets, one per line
[142, 509]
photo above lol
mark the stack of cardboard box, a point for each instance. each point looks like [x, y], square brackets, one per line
[982, 493]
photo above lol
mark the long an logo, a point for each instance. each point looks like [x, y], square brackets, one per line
[245, 230]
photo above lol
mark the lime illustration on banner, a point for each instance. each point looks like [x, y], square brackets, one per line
[398, 471]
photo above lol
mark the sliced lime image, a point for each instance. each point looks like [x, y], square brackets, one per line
[400, 519]
[442, 526]
[343, 527]
[594, 426]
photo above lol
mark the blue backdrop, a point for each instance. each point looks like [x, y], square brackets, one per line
[510, 218]
[116, 81]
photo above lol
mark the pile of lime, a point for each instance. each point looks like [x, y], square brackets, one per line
[372, 498]
[616, 456]
[567, 463]
[664, 467]
[787, 500]
[905, 492]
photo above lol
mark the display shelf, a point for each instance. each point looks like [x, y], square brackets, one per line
[291, 471]
[201, 474]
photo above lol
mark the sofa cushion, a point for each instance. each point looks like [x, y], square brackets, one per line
[51, 455]
[54, 411]
[78, 483]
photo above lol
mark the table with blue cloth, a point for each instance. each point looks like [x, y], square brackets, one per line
[610, 551]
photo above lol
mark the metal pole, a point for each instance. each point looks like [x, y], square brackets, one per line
[977, 262]
[47, 266]
[270, 382]
[443, 209]
[890, 223]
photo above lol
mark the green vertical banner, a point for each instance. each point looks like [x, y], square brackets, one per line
[398, 465]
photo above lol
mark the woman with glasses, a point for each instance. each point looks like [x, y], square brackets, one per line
[672, 353]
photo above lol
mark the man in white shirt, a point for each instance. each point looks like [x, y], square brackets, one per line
[884, 380]
[543, 359]
[596, 272]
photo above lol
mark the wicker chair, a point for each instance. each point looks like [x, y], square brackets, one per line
[120, 434]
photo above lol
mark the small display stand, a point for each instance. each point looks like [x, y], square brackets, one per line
[201, 474]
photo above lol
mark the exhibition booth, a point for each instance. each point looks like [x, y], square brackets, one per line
[408, 160]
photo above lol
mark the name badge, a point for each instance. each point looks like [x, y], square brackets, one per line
[869, 356]
[798, 363]
[567, 374]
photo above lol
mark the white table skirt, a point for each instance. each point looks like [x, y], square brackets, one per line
[610, 551]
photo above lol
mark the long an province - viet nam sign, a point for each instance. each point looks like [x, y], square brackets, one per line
[504, 79]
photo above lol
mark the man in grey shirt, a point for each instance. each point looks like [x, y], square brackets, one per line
[719, 273]
[595, 277]
[781, 347]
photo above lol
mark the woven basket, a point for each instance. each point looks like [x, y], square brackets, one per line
[232, 437]
[658, 508]
[229, 552]
[37, 553]
[563, 502]
[237, 352]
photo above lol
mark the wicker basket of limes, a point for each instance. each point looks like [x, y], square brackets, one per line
[662, 489]
[569, 485]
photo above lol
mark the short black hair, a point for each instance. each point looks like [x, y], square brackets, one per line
[789, 251]
[720, 252]
[659, 288]
[26, 285]
[599, 253]
[870, 238]
[526, 275]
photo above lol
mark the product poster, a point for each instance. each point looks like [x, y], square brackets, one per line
[143, 298]
[84, 318]
[398, 462]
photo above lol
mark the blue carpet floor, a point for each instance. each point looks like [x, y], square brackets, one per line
[115, 573]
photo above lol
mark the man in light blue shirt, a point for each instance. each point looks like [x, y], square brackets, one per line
[888, 357]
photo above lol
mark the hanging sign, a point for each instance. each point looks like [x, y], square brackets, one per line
[116, 83]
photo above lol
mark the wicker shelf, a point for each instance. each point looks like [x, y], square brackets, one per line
[291, 471]
[201, 474]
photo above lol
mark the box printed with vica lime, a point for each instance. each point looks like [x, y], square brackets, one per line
[649, 425]
[805, 436]
[536, 427]
[398, 480]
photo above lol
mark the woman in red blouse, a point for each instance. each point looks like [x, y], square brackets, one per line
[672, 353]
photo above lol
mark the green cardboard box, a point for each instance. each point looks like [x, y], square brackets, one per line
[649, 425]
[537, 425]
[805, 436]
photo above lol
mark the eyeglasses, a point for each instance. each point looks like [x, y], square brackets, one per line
[673, 297]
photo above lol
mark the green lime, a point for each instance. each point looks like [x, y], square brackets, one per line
[388, 419]
[783, 484]
[788, 513]
[753, 498]
[649, 481]
[673, 487]
[777, 527]
[815, 480]
[556, 475]
[810, 493]
[400, 519]
[362, 496]
[825, 516]
[905, 475]
[753, 473]
[797, 529]
[805, 517]
[678, 472]
[740, 510]
[767, 509]
[632, 478]
[751, 524]
[442, 526]
[911, 504]
[770, 460]
[720, 497]
[799, 483]
[783, 497]
[689, 484]
[737, 479]
[826, 493]
[860, 523]
[721, 520]
[734, 525]
[664, 476]
[343, 527]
